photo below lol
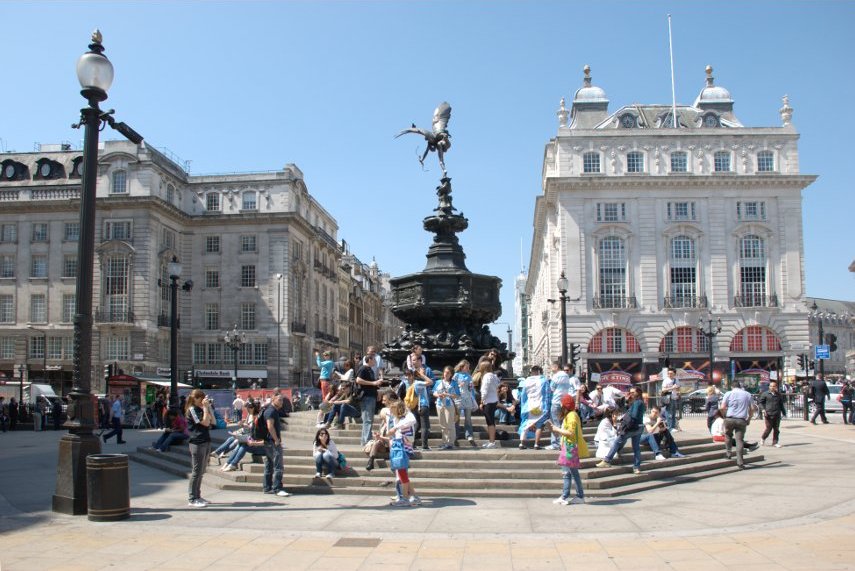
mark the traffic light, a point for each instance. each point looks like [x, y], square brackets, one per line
[108, 371]
[575, 352]
[831, 341]
[802, 362]
[188, 377]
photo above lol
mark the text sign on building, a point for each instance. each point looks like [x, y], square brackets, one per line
[822, 352]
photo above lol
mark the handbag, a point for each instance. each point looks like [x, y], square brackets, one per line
[569, 455]
[342, 461]
[398, 458]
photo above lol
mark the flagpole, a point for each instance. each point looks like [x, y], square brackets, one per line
[673, 92]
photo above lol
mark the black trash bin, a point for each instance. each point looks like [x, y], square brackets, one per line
[108, 488]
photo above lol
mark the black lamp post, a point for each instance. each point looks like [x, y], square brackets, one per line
[279, 331]
[95, 73]
[817, 315]
[710, 333]
[234, 339]
[174, 270]
[563, 285]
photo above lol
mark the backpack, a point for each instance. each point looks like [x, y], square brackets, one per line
[411, 399]
[259, 426]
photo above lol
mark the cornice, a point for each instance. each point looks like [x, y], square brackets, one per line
[598, 182]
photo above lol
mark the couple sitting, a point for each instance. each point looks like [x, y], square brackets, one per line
[655, 434]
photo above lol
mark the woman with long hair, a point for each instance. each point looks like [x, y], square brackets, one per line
[200, 416]
[489, 398]
[325, 454]
[244, 440]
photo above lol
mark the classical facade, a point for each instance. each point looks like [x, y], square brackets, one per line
[659, 224]
[261, 252]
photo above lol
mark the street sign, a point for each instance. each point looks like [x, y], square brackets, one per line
[822, 352]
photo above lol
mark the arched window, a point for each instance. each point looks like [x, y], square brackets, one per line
[591, 162]
[683, 262]
[684, 340]
[752, 272]
[249, 201]
[635, 162]
[721, 161]
[679, 161]
[614, 340]
[612, 272]
[120, 182]
[755, 339]
[765, 161]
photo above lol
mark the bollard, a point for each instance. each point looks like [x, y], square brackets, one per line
[108, 489]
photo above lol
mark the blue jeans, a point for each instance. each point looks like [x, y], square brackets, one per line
[555, 439]
[326, 459]
[226, 446]
[572, 473]
[635, 437]
[651, 441]
[340, 412]
[240, 451]
[367, 406]
[167, 439]
[466, 415]
[670, 413]
[272, 467]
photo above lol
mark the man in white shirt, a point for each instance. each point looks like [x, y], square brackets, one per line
[670, 395]
[237, 408]
[560, 384]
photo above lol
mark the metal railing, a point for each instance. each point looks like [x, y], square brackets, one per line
[680, 301]
[755, 300]
[114, 316]
[614, 302]
[697, 405]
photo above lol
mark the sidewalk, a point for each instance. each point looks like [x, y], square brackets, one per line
[797, 512]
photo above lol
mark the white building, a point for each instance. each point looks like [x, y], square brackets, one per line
[657, 227]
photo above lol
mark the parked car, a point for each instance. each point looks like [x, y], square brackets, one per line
[694, 401]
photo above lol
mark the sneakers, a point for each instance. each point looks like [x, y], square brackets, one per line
[229, 468]
[317, 474]
[415, 501]
[426, 448]
[577, 500]
[329, 478]
[490, 445]
[763, 442]
[660, 457]
[446, 447]
[283, 494]
[560, 501]
[522, 446]
[538, 447]
[604, 464]
[400, 503]
[776, 445]
[197, 504]
[203, 500]
[553, 447]
[471, 440]
[678, 455]
[321, 425]
[753, 447]
[636, 470]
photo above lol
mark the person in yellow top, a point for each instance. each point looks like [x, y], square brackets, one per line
[573, 449]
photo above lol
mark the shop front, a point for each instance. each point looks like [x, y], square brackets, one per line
[224, 378]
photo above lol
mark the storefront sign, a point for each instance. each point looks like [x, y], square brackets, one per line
[228, 373]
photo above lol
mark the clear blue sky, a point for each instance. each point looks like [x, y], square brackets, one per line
[326, 85]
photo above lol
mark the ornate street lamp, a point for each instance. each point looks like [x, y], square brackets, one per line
[234, 339]
[712, 330]
[817, 316]
[95, 74]
[563, 285]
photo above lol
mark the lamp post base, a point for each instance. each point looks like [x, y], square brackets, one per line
[70, 497]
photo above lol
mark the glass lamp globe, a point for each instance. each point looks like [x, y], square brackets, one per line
[94, 71]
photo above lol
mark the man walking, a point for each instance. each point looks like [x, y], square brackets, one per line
[237, 408]
[736, 410]
[273, 448]
[772, 405]
[366, 380]
[820, 395]
[117, 414]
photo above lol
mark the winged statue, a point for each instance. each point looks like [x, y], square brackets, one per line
[438, 139]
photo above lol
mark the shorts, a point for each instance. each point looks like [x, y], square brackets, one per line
[490, 413]
[403, 477]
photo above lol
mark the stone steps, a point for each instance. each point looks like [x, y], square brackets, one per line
[464, 472]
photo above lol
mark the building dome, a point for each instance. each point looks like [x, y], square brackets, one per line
[712, 93]
[589, 93]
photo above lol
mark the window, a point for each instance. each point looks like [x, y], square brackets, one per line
[679, 162]
[296, 250]
[7, 348]
[634, 162]
[721, 161]
[215, 353]
[247, 316]
[7, 266]
[54, 348]
[253, 354]
[199, 354]
[69, 307]
[247, 243]
[591, 162]
[120, 182]
[614, 340]
[212, 316]
[7, 308]
[72, 231]
[765, 161]
[611, 212]
[40, 232]
[212, 244]
[8, 233]
[752, 271]
[249, 201]
[117, 230]
[683, 272]
[115, 291]
[755, 339]
[170, 193]
[38, 308]
[612, 272]
[755, 210]
[681, 211]
[168, 239]
[118, 348]
[38, 269]
[247, 276]
[69, 266]
[212, 277]
[36, 348]
[684, 340]
[212, 202]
